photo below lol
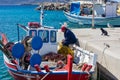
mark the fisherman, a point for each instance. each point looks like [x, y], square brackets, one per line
[69, 36]
[66, 47]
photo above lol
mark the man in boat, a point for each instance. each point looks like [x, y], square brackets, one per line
[69, 36]
[67, 44]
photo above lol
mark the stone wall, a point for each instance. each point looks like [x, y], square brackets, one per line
[56, 6]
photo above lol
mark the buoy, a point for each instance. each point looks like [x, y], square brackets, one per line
[37, 43]
[18, 50]
[46, 67]
[84, 67]
[35, 59]
[37, 68]
[88, 68]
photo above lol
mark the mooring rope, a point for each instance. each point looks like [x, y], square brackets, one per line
[45, 76]
[103, 54]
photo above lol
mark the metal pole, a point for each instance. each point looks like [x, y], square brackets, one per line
[18, 32]
[93, 15]
[41, 15]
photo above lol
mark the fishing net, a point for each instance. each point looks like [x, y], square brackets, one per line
[65, 50]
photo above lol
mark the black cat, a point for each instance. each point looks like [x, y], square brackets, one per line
[104, 32]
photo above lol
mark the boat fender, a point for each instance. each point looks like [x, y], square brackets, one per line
[88, 68]
[84, 67]
[18, 50]
[46, 67]
[37, 67]
[36, 43]
[35, 59]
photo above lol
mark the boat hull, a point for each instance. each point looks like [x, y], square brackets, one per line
[21, 76]
[87, 20]
[34, 75]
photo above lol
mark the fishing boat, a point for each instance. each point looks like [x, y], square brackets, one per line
[36, 57]
[94, 13]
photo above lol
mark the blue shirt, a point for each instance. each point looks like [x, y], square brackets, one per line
[70, 37]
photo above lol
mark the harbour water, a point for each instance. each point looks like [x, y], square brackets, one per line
[10, 15]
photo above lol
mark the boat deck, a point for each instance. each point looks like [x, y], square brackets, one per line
[53, 64]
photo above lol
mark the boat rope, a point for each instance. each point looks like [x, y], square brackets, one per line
[103, 56]
[86, 44]
[45, 76]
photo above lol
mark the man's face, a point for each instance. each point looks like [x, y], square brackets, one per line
[63, 30]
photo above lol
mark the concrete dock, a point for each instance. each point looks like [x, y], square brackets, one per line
[107, 48]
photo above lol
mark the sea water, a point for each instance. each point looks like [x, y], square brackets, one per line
[11, 15]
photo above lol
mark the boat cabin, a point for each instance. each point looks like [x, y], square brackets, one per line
[100, 10]
[48, 36]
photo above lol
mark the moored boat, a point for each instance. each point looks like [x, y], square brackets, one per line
[93, 13]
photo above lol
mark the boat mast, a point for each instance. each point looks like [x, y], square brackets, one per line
[18, 33]
[93, 15]
[41, 14]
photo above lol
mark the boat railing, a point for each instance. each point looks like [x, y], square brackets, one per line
[85, 56]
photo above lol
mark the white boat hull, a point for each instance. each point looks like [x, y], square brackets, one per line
[87, 20]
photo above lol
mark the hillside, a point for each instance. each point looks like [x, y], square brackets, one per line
[7, 2]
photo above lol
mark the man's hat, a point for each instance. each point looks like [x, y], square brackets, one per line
[63, 28]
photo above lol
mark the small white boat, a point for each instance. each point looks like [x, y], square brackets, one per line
[101, 14]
